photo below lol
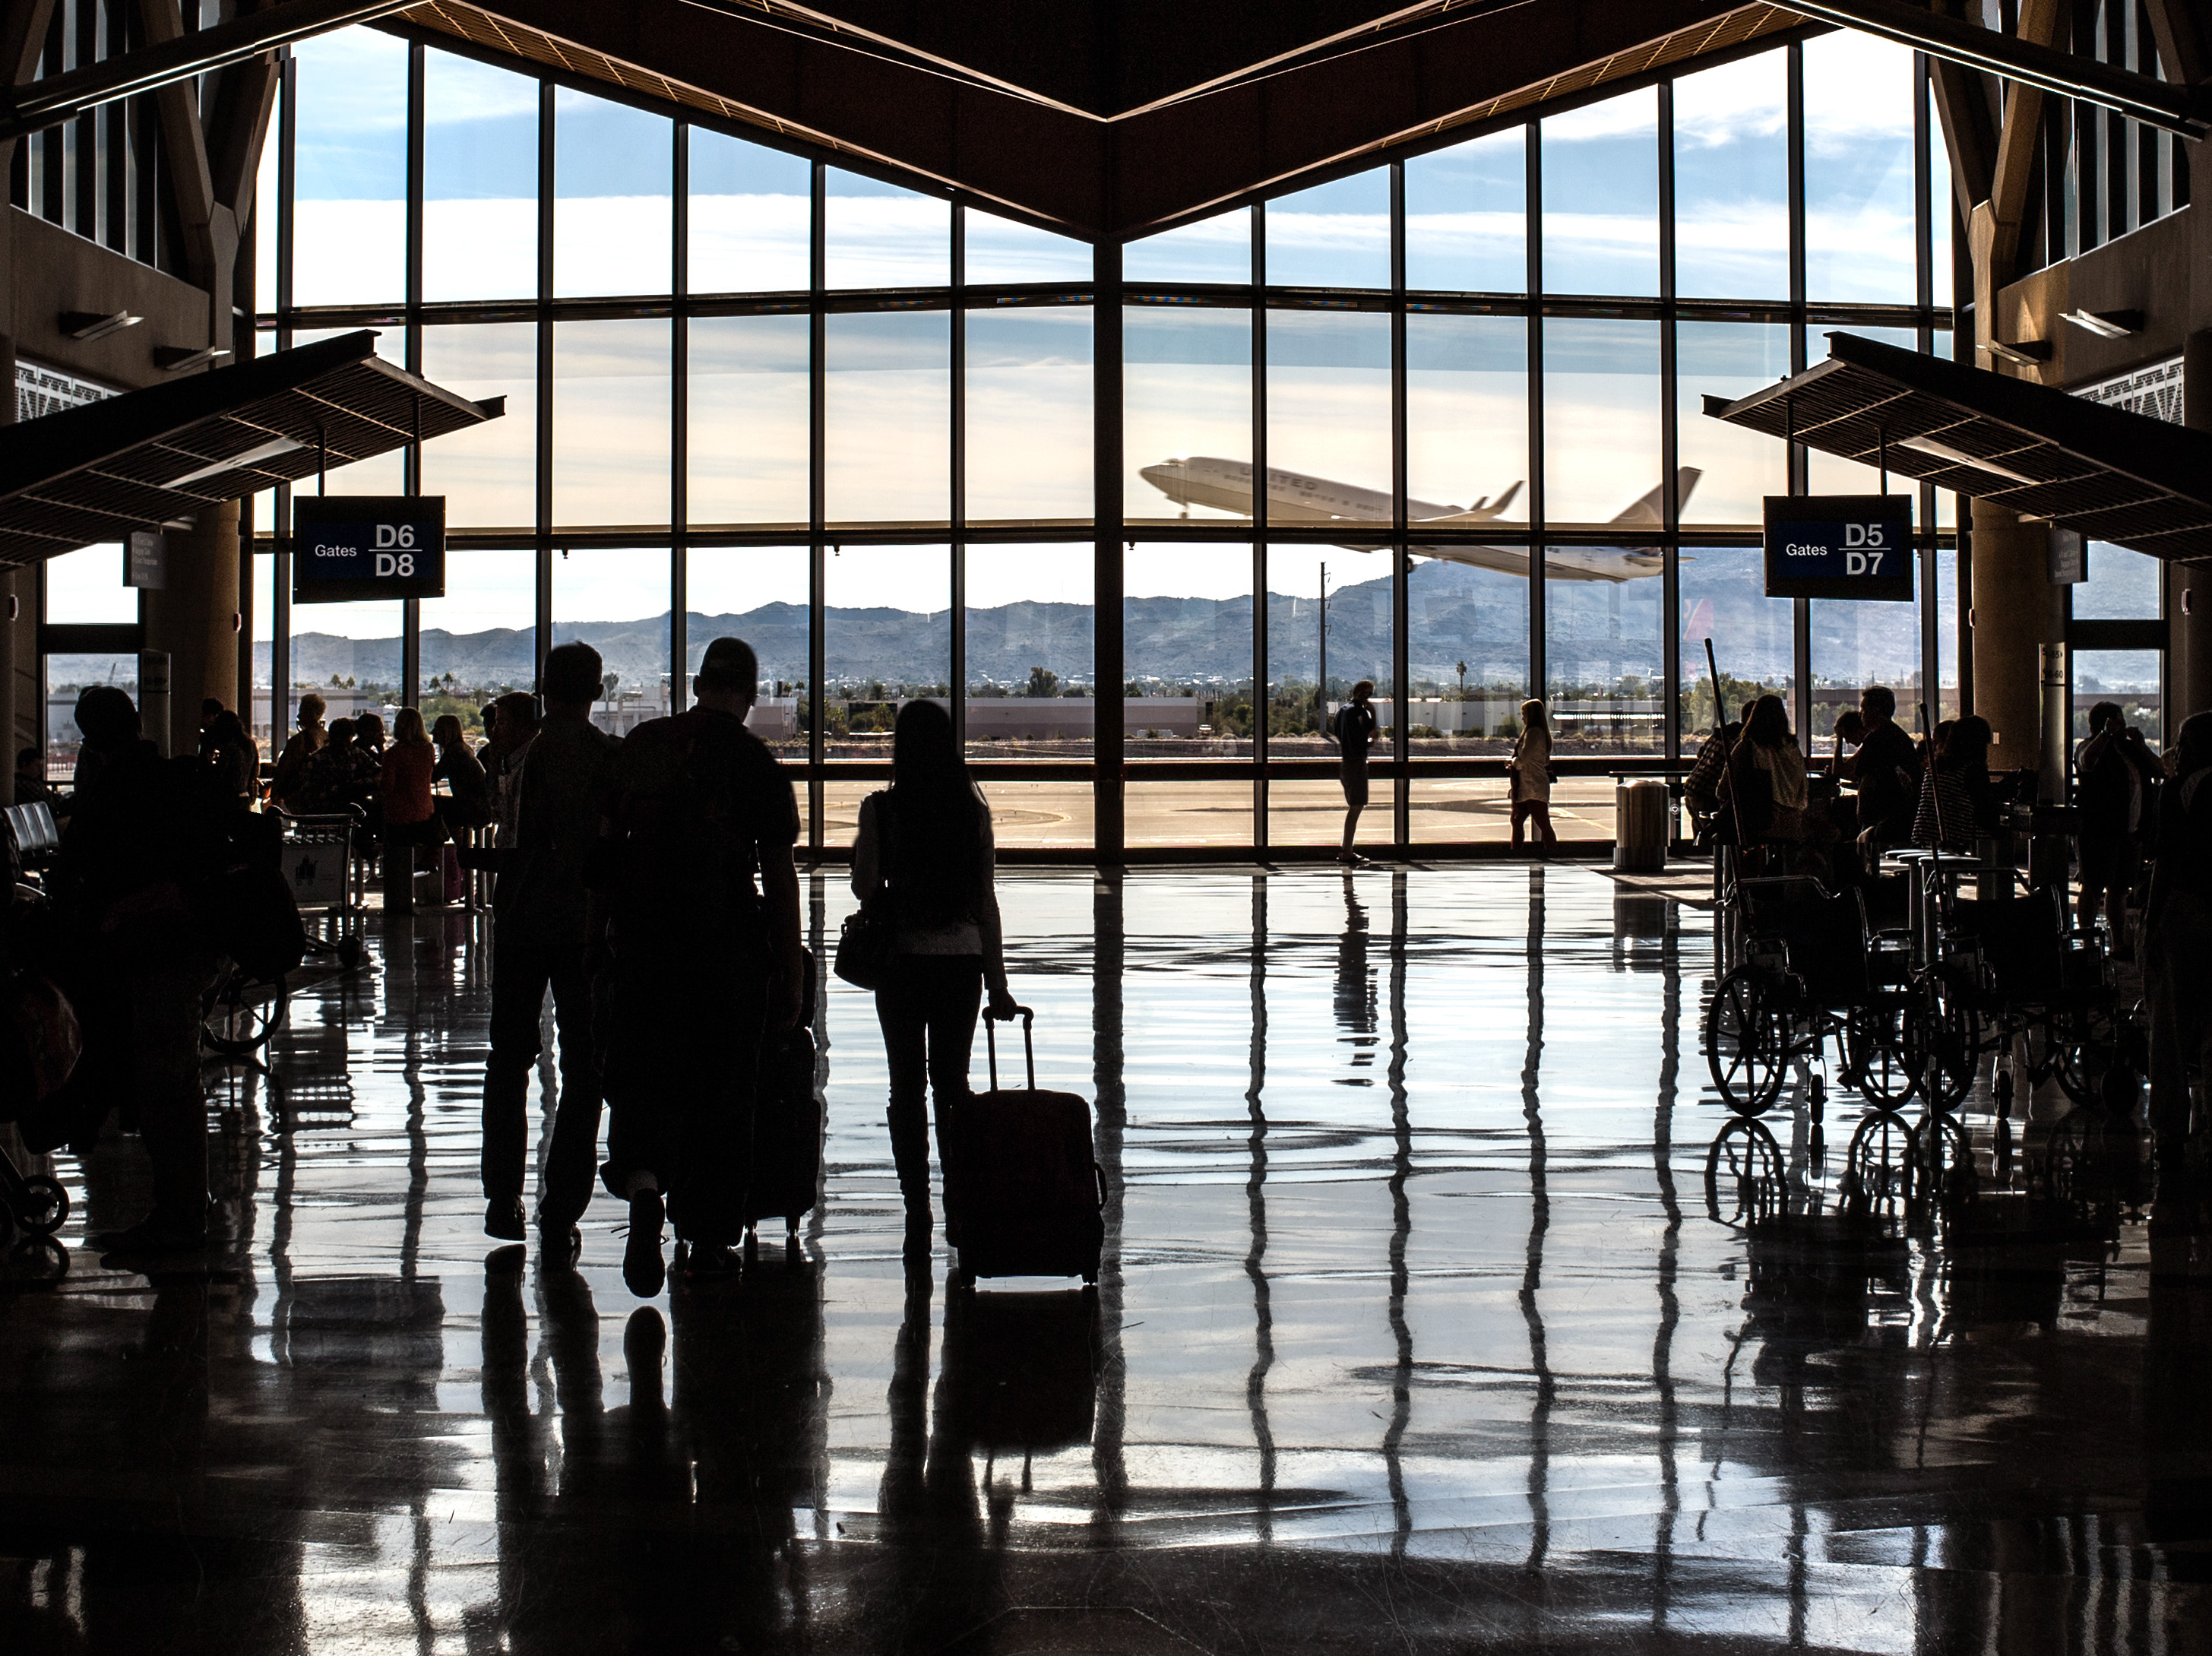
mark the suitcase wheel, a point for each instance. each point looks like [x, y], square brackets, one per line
[963, 1277]
[1091, 1279]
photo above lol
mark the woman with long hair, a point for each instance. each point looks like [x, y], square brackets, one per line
[468, 801]
[1766, 776]
[1528, 775]
[410, 814]
[1957, 801]
[925, 851]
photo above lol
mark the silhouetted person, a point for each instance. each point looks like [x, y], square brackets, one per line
[1528, 774]
[2177, 941]
[514, 726]
[1766, 777]
[143, 837]
[1957, 802]
[231, 755]
[411, 813]
[286, 781]
[925, 848]
[31, 785]
[467, 803]
[705, 961]
[1886, 771]
[1354, 731]
[2108, 799]
[1705, 787]
[538, 937]
[340, 773]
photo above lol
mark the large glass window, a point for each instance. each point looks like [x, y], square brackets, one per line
[1604, 670]
[1601, 197]
[611, 407]
[1860, 219]
[1467, 420]
[751, 210]
[1217, 249]
[1186, 413]
[1467, 216]
[881, 236]
[1325, 602]
[1187, 644]
[479, 180]
[613, 225]
[747, 388]
[350, 170]
[1754, 637]
[1029, 415]
[1732, 181]
[1031, 690]
[489, 472]
[480, 640]
[1467, 649]
[1329, 417]
[758, 594]
[1336, 235]
[999, 250]
[889, 407]
[1602, 460]
[1728, 470]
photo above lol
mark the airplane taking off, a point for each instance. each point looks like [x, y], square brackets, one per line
[1293, 497]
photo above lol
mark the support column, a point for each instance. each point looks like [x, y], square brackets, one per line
[2189, 586]
[2016, 614]
[1109, 679]
[195, 618]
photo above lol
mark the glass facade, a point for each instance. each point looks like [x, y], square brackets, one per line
[1438, 422]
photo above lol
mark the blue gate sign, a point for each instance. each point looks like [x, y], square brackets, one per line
[349, 547]
[1849, 546]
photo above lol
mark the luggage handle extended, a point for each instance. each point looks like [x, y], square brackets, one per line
[1029, 1044]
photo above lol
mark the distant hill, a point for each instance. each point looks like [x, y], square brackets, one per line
[1597, 632]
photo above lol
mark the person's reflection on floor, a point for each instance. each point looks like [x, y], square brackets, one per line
[1355, 988]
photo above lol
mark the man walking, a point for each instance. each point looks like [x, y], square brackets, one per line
[557, 791]
[704, 960]
[1354, 733]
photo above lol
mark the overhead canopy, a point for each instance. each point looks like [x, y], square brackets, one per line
[2112, 474]
[148, 458]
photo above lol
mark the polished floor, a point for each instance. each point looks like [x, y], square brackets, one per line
[1420, 1332]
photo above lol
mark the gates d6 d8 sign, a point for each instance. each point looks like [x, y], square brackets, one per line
[1850, 546]
[349, 547]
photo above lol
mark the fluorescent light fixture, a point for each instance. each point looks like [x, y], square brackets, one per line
[172, 359]
[1943, 451]
[2025, 353]
[97, 324]
[2107, 325]
[267, 451]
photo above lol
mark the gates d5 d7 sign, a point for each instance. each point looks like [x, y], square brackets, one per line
[349, 547]
[1850, 547]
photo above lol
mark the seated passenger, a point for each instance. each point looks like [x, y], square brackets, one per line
[1884, 770]
[1705, 787]
[1766, 778]
[2108, 796]
[31, 785]
[305, 742]
[228, 751]
[1958, 803]
[339, 773]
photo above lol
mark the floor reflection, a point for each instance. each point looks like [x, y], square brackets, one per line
[1470, 1365]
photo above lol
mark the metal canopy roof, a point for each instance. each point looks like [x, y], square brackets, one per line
[2113, 475]
[148, 458]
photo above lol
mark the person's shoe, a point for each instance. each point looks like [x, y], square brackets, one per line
[711, 1259]
[503, 1219]
[642, 1269]
[920, 1236]
[558, 1244]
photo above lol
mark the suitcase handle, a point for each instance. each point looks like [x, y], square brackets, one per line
[1029, 1044]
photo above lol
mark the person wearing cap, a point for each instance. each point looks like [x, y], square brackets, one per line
[557, 789]
[697, 926]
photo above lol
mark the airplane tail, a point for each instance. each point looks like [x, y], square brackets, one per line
[1483, 510]
[1649, 511]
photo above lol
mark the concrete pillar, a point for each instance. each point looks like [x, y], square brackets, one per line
[2189, 586]
[2015, 613]
[195, 617]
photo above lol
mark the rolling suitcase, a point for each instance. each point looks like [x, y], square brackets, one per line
[1026, 1196]
[787, 1162]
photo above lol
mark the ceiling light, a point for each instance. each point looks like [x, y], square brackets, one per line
[97, 324]
[267, 451]
[173, 359]
[2025, 353]
[2107, 324]
[1943, 451]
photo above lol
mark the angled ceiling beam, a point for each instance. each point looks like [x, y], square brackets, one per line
[2139, 97]
[59, 98]
[1969, 134]
[2178, 28]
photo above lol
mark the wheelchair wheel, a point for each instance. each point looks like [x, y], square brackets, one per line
[1747, 1040]
[41, 1207]
[1880, 1165]
[242, 1012]
[1951, 1053]
[2082, 1044]
[1950, 1160]
[1885, 1059]
[1746, 1163]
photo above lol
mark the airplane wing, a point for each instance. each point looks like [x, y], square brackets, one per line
[1560, 563]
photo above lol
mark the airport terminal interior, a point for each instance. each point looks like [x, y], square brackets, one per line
[1650, 1179]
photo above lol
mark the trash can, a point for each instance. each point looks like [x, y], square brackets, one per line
[1640, 835]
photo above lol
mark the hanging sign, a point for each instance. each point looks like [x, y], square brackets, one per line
[146, 560]
[1847, 546]
[347, 548]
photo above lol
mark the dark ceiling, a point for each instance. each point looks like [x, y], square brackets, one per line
[1105, 118]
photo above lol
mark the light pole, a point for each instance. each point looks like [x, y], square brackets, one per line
[1459, 713]
[1321, 690]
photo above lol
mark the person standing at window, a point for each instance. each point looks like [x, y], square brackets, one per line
[925, 848]
[1353, 730]
[1530, 776]
[411, 815]
[291, 773]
